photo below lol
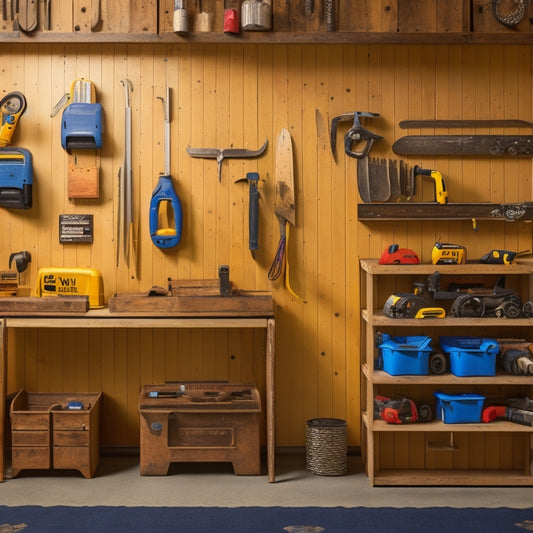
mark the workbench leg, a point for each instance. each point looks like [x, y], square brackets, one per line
[3, 394]
[270, 398]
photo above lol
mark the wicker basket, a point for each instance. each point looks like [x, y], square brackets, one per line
[325, 446]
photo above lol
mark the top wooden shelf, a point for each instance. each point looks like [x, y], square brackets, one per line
[372, 266]
[441, 38]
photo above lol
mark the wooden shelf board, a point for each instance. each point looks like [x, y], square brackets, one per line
[101, 318]
[380, 377]
[498, 426]
[380, 319]
[321, 37]
[373, 267]
[517, 212]
[406, 477]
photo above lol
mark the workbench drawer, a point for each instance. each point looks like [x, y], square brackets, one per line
[30, 438]
[71, 420]
[25, 420]
[29, 457]
[72, 457]
[71, 438]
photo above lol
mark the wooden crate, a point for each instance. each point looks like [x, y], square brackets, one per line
[209, 422]
[46, 434]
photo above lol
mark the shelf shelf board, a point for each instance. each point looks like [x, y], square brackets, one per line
[378, 318]
[518, 212]
[413, 477]
[380, 377]
[372, 266]
[271, 37]
[498, 426]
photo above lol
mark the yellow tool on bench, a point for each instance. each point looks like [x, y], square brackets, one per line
[59, 281]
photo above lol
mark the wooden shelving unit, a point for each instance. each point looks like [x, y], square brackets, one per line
[435, 453]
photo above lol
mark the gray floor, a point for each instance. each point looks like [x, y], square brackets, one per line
[117, 482]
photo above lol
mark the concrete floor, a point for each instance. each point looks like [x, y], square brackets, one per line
[117, 482]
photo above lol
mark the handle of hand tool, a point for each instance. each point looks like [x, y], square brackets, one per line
[287, 270]
[277, 265]
[253, 217]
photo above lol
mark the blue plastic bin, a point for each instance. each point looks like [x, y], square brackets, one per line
[405, 355]
[459, 408]
[471, 356]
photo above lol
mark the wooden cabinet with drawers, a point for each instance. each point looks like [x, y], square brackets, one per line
[46, 433]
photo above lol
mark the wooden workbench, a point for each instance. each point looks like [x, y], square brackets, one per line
[102, 318]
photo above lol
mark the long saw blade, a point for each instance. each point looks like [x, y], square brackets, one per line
[490, 145]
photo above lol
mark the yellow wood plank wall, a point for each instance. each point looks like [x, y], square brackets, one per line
[240, 95]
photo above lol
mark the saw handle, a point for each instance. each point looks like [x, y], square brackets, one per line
[357, 138]
[357, 134]
[164, 192]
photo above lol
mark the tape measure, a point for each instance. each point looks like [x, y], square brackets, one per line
[448, 254]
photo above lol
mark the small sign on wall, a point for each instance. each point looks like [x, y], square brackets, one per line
[75, 229]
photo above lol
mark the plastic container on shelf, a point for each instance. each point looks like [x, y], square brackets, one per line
[405, 355]
[463, 408]
[470, 356]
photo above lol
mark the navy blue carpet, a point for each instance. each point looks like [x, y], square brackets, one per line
[34, 519]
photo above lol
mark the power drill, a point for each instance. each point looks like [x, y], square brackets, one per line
[441, 194]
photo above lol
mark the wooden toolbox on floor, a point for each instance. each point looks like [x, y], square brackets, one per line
[200, 422]
[47, 433]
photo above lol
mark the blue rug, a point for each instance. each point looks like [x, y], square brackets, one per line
[34, 519]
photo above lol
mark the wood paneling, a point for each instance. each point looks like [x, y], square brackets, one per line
[238, 95]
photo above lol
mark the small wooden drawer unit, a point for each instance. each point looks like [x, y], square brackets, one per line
[47, 432]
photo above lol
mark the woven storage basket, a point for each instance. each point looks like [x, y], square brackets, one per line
[325, 446]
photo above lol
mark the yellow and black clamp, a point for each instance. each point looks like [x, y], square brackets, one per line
[502, 257]
[12, 106]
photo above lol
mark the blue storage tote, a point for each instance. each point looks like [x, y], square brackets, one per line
[471, 356]
[459, 408]
[405, 355]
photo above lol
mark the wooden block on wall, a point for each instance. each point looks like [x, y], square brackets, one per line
[432, 16]
[143, 16]
[368, 15]
[84, 174]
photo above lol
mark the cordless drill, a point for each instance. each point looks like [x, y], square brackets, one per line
[441, 194]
